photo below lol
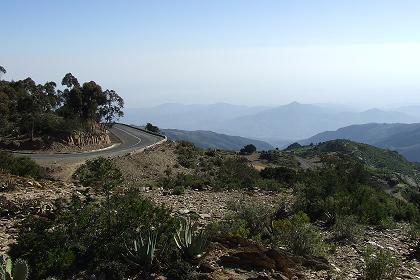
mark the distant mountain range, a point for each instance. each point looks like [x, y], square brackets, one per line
[403, 138]
[209, 139]
[277, 125]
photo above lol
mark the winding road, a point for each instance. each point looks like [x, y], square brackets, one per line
[131, 139]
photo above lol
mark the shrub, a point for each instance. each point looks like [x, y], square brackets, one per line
[182, 182]
[143, 250]
[20, 166]
[190, 240]
[152, 128]
[344, 190]
[416, 251]
[79, 237]
[236, 228]
[181, 270]
[281, 174]
[347, 228]
[187, 154]
[178, 190]
[99, 173]
[298, 235]
[269, 185]
[256, 216]
[380, 264]
[248, 149]
[235, 173]
[9, 270]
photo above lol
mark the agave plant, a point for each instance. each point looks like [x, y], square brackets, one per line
[19, 270]
[191, 241]
[142, 252]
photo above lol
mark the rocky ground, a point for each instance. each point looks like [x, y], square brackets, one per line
[22, 196]
[226, 259]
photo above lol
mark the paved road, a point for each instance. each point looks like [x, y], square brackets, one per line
[131, 139]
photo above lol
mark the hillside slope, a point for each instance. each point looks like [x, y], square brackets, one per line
[209, 139]
[403, 138]
[271, 124]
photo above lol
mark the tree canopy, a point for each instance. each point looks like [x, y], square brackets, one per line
[31, 109]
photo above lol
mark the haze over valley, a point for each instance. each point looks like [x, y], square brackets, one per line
[277, 125]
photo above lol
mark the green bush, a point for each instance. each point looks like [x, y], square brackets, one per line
[181, 270]
[298, 235]
[235, 173]
[380, 264]
[79, 237]
[347, 228]
[178, 190]
[248, 149]
[152, 128]
[236, 228]
[20, 166]
[344, 190]
[282, 174]
[257, 216]
[269, 185]
[183, 181]
[187, 154]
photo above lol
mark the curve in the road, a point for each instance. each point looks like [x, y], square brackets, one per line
[131, 139]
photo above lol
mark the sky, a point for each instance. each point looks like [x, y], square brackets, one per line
[261, 52]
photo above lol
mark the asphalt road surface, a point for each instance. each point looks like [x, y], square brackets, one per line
[130, 138]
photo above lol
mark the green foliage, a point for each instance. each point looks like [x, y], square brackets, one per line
[236, 228]
[298, 235]
[178, 190]
[30, 109]
[81, 236]
[282, 174]
[235, 173]
[248, 149]
[152, 128]
[343, 189]
[257, 216]
[142, 252]
[19, 270]
[347, 228]
[370, 156]
[294, 146]
[99, 172]
[248, 219]
[280, 158]
[182, 270]
[380, 264]
[190, 240]
[20, 166]
[269, 185]
[187, 154]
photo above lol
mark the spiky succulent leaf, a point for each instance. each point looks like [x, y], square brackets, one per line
[20, 270]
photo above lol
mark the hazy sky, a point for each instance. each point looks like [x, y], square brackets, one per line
[206, 51]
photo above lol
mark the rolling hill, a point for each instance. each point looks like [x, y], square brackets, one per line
[209, 139]
[403, 138]
[276, 125]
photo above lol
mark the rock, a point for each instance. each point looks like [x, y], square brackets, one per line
[205, 216]
[248, 260]
[206, 268]
[259, 277]
[184, 211]
[161, 277]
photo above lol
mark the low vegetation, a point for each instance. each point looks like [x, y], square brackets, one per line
[20, 166]
[117, 233]
[380, 264]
